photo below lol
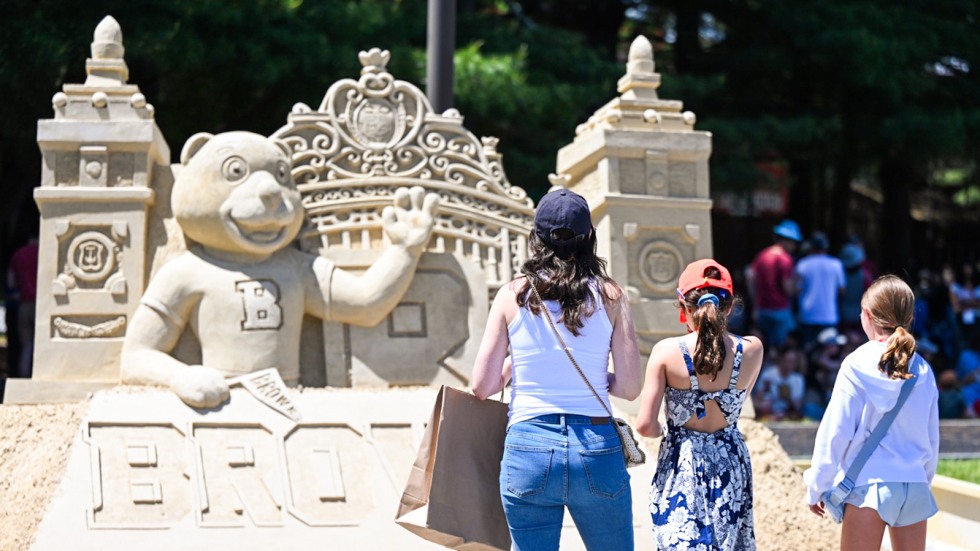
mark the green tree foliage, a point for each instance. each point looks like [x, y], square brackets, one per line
[883, 90]
[216, 65]
[531, 89]
[838, 89]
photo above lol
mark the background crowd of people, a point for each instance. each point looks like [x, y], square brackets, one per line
[18, 313]
[804, 301]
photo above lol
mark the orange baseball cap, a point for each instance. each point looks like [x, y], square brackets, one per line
[693, 277]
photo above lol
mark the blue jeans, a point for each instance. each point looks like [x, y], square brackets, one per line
[564, 460]
[775, 325]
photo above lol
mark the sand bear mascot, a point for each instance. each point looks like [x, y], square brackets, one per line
[241, 286]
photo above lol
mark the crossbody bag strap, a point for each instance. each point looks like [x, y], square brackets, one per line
[872, 442]
[547, 316]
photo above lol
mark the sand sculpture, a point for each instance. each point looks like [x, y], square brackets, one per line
[115, 213]
[240, 286]
[312, 465]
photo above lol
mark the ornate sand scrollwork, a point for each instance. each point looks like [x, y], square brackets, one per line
[373, 135]
[380, 126]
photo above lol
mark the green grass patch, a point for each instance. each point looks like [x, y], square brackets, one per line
[962, 469]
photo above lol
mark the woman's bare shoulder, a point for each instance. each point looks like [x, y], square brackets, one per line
[752, 351]
[665, 348]
[507, 294]
[613, 291]
[516, 285]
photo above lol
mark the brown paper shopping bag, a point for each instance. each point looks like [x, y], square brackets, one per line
[453, 493]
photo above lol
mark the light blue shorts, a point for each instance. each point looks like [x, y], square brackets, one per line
[897, 503]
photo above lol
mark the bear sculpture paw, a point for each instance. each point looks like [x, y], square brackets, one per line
[200, 387]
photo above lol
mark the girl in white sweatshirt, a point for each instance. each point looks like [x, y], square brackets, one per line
[893, 487]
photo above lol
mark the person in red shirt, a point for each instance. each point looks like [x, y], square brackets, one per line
[22, 279]
[773, 284]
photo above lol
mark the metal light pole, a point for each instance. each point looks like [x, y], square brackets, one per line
[440, 46]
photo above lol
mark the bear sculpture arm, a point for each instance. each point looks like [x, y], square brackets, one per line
[366, 299]
[152, 334]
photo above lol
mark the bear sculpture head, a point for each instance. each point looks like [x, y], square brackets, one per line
[235, 195]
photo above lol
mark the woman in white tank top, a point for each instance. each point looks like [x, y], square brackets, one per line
[561, 449]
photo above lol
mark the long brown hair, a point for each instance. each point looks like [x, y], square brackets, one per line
[890, 303]
[564, 275]
[711, 322]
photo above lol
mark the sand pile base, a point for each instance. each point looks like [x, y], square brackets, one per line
[35, 443]
[783, 522]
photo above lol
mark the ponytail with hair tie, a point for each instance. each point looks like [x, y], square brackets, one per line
[890, 303]
[899, 350]
[708, 297]
[703, 283]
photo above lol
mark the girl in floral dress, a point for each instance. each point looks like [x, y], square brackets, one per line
[701, 495]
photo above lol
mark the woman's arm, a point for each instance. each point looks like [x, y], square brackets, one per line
[625, 381]
[652, 397]
[508, 370]
[752, 355]
[488, 371]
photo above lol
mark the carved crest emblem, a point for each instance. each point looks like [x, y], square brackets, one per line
[91, 256]
[662, 266]
[377, 122]
[660, 263]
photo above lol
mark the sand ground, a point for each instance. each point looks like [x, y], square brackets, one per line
[35, 443]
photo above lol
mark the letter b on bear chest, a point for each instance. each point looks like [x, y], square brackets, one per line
[260, 304]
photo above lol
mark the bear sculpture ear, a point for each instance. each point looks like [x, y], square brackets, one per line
[193, 145]
[284, 147]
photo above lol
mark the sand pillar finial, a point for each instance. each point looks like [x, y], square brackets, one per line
[107, 67]
[640, 80]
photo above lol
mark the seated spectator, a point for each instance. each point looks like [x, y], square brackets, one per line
[923, 299]
[826, 360]
[968, 374]
[951, 402]
[855, 282]
[781, 387]
[971, 395]
[930, 353]
[969, 359]
[814, 405]
[964, 297]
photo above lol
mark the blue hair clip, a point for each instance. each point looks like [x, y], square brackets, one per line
[708, 297]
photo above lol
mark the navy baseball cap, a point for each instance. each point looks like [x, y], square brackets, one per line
[562, 210]
[820, 241]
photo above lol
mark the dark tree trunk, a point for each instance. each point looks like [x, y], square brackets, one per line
[840, 203]
[598, 21]
[687, 47]
[896, 176]
[803, 183]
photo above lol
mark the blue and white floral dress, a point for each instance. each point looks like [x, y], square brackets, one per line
[701, 496]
